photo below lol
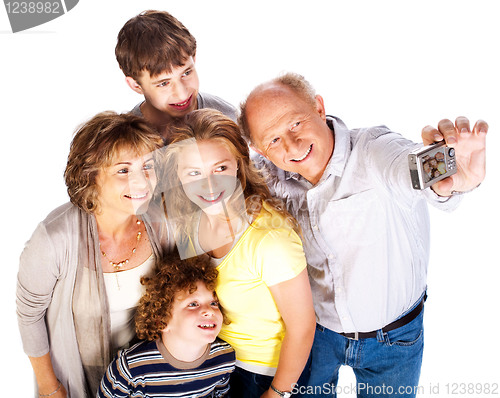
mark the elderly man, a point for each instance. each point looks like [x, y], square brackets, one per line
[365, 229]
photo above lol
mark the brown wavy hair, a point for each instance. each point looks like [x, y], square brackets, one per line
[154, 41]
[174, 275]
[93, 147]
[212, 125]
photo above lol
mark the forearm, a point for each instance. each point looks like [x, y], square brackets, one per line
[44, 372]
[294, 352]
[294, 301]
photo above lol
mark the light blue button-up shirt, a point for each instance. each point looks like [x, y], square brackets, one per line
[365, 229]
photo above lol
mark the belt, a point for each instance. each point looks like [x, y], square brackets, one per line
[391, 326]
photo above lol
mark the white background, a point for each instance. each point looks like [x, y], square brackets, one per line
[399, 63]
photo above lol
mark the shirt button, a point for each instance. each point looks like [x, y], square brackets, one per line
[330, 257]
[315, 227]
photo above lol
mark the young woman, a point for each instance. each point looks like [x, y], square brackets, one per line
[220, 205]
[79, 275]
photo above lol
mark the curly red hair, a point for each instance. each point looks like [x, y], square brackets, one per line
[174, 275]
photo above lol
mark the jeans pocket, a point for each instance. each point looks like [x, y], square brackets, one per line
[407, 335]
[408, 339]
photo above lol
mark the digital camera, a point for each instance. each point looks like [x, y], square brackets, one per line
[431, 164]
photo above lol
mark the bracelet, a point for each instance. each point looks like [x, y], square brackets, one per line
[53, 392]
[284, 394]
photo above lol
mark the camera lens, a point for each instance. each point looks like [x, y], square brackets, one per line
[451, 152]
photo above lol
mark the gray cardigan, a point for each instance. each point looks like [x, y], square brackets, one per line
[61, 307]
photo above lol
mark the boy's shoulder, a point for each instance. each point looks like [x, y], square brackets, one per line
[211, 101]
[221, 352]
[219, 345]
[142, 351]
[136, 110]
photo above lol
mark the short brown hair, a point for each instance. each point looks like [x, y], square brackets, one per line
[295, 82]
[174, 275]
[95, 144]
[154, 41]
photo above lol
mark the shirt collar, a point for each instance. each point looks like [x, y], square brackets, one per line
[338, 160]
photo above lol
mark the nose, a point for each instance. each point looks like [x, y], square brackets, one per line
[138, 179]
[210, 183]
[291, 142]
[180, 91]
[208, 311]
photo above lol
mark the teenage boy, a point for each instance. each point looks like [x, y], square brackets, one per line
[365, 229]
[179, 318]
[157, 54]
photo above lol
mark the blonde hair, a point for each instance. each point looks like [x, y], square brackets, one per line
[212, 125]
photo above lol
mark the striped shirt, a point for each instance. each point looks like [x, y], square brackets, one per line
[147, 369]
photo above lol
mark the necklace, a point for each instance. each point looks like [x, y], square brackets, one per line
[117, 266]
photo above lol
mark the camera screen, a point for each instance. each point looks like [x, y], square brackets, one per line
[434, 166]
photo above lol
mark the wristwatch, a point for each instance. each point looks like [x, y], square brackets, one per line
[284, 394]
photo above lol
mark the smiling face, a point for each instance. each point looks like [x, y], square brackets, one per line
[171, 95]
[208, 173]
[289, 131]
[196, 318]
[126, 186]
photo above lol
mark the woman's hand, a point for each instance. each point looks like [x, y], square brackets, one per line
[46, 378]
[269, 394]
[61, 393]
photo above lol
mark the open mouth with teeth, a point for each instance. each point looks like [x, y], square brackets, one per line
[181, 106]
[304, 156]
[207, 326]
[137, 196]
[211, 199]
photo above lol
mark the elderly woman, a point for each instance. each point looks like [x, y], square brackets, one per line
[79, 274]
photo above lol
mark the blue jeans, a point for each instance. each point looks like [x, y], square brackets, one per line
[244, 384]
[385, 366]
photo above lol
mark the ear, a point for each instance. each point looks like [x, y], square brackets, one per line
[132, 83]
[320, 107]
[254, 148]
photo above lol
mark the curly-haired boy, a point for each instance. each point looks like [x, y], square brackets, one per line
[179, 318]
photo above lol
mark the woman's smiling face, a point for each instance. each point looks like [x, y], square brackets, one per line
[208, 173]
[127, 185]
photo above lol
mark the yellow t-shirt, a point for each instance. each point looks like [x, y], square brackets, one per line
[269, 252]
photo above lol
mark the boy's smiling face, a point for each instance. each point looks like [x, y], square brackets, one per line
[172, 94]
[196, 318]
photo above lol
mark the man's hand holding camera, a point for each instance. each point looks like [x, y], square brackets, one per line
[470, 152]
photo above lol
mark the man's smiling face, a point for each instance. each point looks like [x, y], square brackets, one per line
[290, 131]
